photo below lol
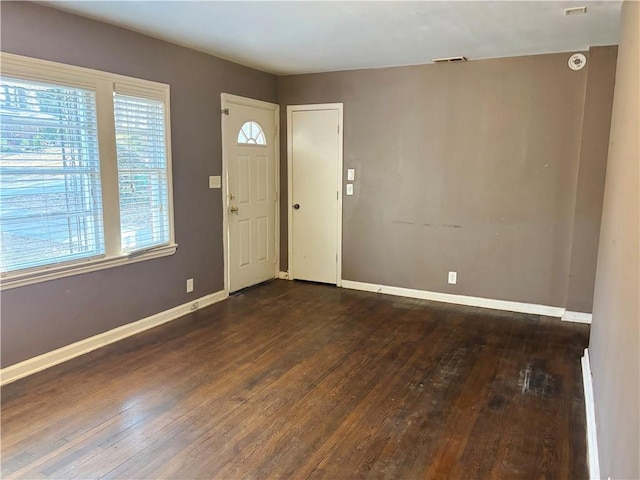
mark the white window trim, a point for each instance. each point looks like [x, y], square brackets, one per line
[104, 84]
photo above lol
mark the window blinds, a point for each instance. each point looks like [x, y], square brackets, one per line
[50, 192]
[142, 172]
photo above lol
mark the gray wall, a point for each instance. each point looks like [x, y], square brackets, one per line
[615, 334]
[594, 146]
[42, 317]
[470, 167]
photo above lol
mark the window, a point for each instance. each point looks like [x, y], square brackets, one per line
[251, 134]
[85, 170]
[142, 172]
[50, 197]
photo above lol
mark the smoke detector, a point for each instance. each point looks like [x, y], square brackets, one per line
[577, 61]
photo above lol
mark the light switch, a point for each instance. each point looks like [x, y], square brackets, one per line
[215, 181]
[351, 174]
[349, 188]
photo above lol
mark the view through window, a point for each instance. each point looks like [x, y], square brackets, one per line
[85, 172]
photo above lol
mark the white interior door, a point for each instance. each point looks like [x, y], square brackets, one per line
[315, 197]
[250, 158]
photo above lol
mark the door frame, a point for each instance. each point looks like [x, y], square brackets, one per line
[226, 101]
[298, 108]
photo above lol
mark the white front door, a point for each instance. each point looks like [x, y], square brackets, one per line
[315, 200]
[250, 159]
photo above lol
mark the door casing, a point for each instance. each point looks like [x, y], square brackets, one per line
[227, 100]
[339, 188]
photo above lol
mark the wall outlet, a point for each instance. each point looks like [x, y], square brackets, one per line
[189, 285]
[349, 188]
[453, 278]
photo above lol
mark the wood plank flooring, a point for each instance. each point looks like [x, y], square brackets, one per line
[294, 380]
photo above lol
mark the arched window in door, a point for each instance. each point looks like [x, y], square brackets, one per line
[251, 134]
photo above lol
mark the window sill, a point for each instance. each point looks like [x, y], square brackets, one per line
[54, 272]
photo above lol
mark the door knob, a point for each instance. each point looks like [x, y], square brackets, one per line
[233, 209]
[297, 206]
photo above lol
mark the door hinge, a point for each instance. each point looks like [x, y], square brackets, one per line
[338, 129]
[224, 111]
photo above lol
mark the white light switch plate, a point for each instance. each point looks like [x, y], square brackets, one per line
[351, 174]
[349, 188]
[215, 181]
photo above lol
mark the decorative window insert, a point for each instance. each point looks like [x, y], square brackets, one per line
[251, 134]
[85, 170]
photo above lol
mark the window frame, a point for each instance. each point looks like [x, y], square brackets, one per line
[105, 85]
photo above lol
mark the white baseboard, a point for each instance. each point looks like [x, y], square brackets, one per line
[49, 359]
[592, 438]
[457, 299]
[283, 275]
[577, 317]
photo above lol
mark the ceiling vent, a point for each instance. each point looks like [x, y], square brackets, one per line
[449, 59]
[575, 11]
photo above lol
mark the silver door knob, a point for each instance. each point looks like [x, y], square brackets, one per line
[233, 209]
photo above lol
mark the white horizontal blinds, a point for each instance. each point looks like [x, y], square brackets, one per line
[142, 172]
[50, 194]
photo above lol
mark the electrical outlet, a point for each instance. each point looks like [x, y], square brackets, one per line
[349, 188]
[453, 278]
[189, 285]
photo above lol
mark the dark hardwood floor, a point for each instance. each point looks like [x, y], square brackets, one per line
[295, 380]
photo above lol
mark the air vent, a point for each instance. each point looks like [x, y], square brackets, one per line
[449, 59]
[575, 11]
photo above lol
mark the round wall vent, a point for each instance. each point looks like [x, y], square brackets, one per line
[577, 61]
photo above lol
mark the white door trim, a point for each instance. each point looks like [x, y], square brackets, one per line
[227, 99]
[298, 108]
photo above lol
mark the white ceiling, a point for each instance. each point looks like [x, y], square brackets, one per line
[305, 37]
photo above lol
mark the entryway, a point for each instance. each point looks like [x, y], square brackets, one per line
[250, 190]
